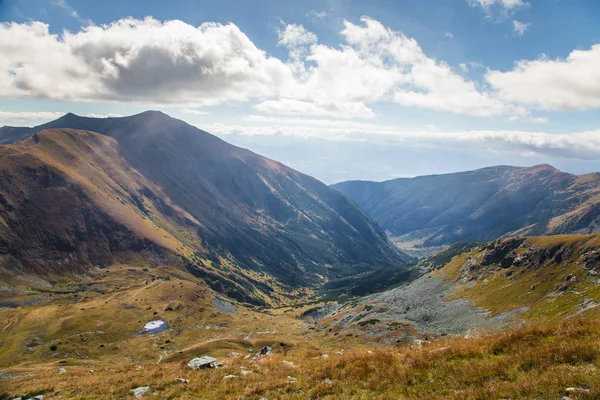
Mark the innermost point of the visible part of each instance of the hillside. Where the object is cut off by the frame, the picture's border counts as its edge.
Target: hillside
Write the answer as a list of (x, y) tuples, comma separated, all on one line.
[(484, 204), (491, 285), (80, 190), (80, 341)]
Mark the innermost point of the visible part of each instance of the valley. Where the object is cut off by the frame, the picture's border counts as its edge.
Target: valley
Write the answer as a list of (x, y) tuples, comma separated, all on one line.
[(294, 289), (529, 328)]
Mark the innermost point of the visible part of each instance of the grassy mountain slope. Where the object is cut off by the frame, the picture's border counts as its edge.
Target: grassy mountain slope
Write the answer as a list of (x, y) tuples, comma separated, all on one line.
[(90, 332), (481, 205), (244, 223)]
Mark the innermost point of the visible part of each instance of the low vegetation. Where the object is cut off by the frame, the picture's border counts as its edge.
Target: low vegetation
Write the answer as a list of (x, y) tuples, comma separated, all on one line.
[(536, 361)]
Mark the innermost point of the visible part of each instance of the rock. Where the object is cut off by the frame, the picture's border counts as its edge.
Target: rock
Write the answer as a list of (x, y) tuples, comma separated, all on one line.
[(230, 377), (202, 362), (328, 381), (139, 368), (234, 354), (183, 380), (266, 351), (288, 363), (291, 379), (576, 390), (246, 372), (325, 356), (138, 392), (154, 327), (62, 370)]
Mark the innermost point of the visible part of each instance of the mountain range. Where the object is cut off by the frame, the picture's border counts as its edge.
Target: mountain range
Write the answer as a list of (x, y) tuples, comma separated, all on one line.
[(484, 204), (80, 192)]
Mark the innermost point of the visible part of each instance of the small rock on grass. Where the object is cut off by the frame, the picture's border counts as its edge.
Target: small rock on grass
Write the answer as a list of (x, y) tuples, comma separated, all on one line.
[(230, 377), (138, 392), (288, 363), (183, 380)]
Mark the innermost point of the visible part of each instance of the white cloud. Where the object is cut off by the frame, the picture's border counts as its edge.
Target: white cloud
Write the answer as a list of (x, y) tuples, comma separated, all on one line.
[(48, 115), (318, 14), (506, 6), (379, 64), (578, 145), (63, 4), (297, 107), (191, 111), (449, 35), (137, 60), (295, 35), (520, 27), (562, 84), (31, 118), (154, 62)]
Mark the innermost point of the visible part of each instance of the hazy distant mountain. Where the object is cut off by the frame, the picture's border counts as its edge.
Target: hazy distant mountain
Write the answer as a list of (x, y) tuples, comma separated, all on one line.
[(85, 191), (483, 204)]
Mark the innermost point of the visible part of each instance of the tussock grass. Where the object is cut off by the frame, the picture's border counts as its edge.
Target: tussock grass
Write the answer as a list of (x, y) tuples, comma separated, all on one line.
[(536, 361)]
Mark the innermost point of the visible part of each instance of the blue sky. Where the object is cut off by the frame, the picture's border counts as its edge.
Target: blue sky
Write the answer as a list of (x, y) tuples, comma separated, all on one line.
[(338, 89)]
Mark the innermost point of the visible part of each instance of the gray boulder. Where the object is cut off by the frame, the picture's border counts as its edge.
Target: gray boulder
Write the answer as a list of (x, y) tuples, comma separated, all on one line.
[(202, 362)]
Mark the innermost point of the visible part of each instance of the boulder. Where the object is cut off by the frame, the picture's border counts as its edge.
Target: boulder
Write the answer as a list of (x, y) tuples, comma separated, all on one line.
[(154, 327), (202, 362)]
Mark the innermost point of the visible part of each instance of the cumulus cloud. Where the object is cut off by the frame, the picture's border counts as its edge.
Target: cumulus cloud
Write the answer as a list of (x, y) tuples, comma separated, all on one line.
[(562, 84), (136, 60), (149, 61), (520, 27), (379, 64)]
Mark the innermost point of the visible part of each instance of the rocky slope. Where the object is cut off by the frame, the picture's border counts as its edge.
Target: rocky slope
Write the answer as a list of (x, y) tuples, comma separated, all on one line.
[(481, 205), (79, 190), (490, 285)]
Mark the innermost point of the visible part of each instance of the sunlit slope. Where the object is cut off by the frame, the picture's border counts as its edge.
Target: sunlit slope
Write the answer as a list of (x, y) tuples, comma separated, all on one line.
[(553, 277)]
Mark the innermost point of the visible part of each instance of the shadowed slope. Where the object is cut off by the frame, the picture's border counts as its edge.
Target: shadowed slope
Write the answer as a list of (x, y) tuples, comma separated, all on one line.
[(481, 204)]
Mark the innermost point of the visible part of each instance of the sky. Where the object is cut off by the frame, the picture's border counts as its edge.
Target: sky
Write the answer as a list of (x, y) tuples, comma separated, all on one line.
[(338, 89)]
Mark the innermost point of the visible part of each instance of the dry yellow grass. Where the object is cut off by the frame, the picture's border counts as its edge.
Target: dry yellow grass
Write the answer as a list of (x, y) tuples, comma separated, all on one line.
[(537, 361)]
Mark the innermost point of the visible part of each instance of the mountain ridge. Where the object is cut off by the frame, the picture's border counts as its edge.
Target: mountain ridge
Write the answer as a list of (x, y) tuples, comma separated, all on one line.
[(232, 215), (482, 204)]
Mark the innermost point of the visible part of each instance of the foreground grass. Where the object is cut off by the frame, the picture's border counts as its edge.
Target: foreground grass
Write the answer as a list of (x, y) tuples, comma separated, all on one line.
[(538, 361)]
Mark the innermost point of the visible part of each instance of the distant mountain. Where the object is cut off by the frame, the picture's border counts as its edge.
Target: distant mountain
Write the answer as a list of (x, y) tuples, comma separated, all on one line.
[(82, 191), (480, 205)]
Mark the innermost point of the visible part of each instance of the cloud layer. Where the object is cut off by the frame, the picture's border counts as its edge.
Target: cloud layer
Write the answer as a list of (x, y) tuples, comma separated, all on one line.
[(153, 62), (149, 61)]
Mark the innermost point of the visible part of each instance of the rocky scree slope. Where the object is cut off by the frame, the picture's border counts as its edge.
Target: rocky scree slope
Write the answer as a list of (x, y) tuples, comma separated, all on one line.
[(490, 285)]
